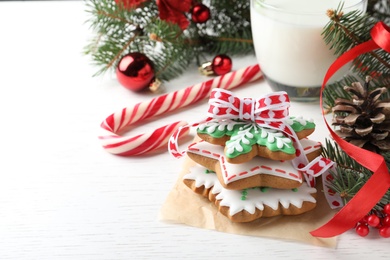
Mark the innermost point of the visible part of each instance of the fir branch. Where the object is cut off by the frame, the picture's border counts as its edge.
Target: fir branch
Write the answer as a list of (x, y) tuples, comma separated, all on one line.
[(379, 9), (229, 29), (337, 18), (236, 44), (345, 31), (334, 152), (238, 39), (349, 176), (120, 31), (120, 52), (113, 16)]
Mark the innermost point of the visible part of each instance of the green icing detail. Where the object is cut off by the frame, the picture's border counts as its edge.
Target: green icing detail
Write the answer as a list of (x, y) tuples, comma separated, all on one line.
[(244, 193), (294, 190), (207, 171), (298, 126), (286, 148), (264, 189), (241, 142)]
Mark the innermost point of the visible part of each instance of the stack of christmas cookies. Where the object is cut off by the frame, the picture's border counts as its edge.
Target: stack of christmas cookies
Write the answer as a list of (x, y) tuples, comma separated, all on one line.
[(250, 168)]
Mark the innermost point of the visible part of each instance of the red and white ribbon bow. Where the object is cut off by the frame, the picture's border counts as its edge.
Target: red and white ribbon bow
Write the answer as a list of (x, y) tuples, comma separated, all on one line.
[(269, 111), (225, 105)]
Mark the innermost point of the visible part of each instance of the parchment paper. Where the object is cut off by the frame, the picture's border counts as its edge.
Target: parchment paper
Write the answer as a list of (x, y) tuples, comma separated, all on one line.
[(186, 207)]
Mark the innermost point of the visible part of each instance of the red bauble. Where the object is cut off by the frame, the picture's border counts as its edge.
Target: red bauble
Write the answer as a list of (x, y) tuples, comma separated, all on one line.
[(200, 13), (135, 71), (362, 230), (221, 64), (373, 220)]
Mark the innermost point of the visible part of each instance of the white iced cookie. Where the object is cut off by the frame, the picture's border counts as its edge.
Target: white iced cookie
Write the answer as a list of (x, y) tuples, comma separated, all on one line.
[(250, 204)]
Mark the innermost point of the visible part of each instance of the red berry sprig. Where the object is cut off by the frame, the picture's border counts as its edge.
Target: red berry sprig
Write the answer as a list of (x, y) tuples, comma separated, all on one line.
[(377, 219)]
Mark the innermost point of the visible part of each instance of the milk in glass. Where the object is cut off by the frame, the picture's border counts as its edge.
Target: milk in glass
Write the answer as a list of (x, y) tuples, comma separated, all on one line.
[(288, 42)]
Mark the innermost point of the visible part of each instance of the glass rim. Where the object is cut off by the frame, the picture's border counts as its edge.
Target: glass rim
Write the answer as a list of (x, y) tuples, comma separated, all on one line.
[(278, 9)]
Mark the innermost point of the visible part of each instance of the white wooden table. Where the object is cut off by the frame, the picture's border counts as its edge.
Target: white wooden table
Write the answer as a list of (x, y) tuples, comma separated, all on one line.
[(62, 196)]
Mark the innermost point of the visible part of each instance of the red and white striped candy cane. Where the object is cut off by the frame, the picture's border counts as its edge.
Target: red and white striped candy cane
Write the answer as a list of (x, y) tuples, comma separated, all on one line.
[(114, 143)]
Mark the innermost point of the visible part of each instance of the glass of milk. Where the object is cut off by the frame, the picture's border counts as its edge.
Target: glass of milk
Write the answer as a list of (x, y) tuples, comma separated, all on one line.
[(289, 46)]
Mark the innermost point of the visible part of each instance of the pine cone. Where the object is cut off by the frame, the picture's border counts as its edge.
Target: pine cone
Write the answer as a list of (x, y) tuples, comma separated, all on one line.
[(365, 120)]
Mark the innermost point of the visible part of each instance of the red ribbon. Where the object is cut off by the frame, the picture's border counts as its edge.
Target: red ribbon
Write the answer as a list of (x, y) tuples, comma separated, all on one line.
[(379, 182)]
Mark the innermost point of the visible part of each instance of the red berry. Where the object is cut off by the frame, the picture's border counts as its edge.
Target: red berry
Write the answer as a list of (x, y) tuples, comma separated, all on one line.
[(362, 230), (379, 226), (373, 220), (364, 220), (386, 221), (384, 232), (386, 209)]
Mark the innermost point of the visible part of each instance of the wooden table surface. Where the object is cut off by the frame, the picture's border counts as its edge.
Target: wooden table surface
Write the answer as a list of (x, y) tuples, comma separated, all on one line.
[(64, 197)]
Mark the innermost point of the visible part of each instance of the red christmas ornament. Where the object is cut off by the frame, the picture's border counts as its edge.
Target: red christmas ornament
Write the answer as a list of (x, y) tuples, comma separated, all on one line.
[(222, 64), (135, 71), (200, 13), (362, 230)]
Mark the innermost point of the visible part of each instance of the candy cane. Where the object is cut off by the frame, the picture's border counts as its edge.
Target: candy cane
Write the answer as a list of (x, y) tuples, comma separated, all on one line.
[(143, 143)]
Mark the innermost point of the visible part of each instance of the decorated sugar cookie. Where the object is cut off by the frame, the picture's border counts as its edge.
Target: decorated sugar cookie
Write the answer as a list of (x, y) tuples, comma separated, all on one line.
[(254, 160), (244, 140), (252, 203), (257, 172)]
